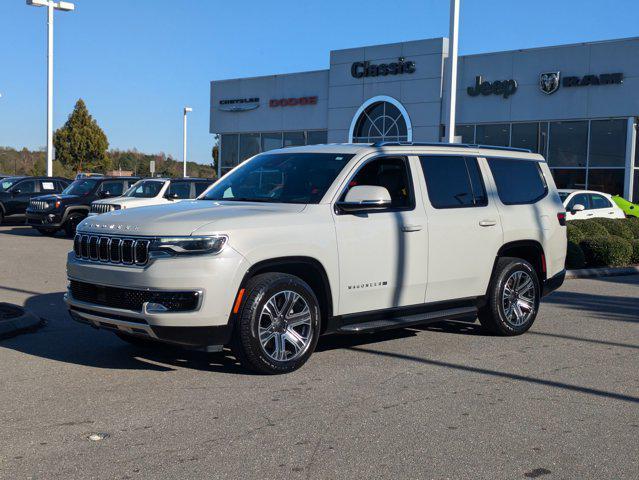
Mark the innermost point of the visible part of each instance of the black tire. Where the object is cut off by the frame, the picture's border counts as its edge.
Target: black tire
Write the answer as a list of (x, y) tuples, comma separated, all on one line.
[(246, 344), (1, 216), (497, 316), (72, 223), (47, 232), (137, 341)]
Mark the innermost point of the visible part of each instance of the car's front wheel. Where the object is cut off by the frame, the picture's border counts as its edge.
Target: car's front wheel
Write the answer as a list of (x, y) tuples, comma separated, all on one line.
[(72, 223), (278, 326), (513, 298)]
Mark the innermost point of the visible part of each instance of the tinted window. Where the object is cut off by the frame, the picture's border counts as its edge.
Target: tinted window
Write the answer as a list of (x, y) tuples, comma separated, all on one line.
[(316, 137), (453, 182), (181, 189), (599, 201), (271, 141), (390, 173), (230, 146), (249, 145), (568, 144), (518, 181), (608, 143), (27, 186), (292, 139), (200, 187), (525, 135), (608, 180), (496, 134), (115, 189), (82, 186), (145, 189), (281, 178), (573, 179), (579, 199), (466, 132)]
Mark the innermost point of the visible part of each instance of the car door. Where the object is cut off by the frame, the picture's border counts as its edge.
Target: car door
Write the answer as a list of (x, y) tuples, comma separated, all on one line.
[(382, 254), (464, 228), (579, 199), (601, 206), (21, 194)]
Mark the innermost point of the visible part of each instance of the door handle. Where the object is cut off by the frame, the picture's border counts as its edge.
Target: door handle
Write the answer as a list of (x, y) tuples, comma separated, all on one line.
[(487, 223), (411, 228)]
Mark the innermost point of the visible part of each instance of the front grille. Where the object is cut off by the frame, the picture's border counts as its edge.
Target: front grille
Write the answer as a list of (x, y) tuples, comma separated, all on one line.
[(38, 205), (100, 248), (130, 299), (101, 208)]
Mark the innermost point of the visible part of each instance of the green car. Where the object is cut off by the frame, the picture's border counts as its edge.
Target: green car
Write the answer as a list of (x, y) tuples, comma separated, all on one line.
[(629, 208)]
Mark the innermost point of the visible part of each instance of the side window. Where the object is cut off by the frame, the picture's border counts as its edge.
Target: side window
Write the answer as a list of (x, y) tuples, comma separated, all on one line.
[(599, 201), (47, 186), (391, 173), (579, 199), (454, 182), (181, 189), (200, 187), (27, 186), (519, 182), (114, 188)]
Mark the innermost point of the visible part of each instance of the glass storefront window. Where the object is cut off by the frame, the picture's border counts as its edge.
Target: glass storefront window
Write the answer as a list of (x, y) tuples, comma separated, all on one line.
[(292, 139), (543, 139), (316, 137), (608, 143), (497, 134), (249, 145), (230, 145), (466, 132), (635, 189), (607, 180), (568, 144), (271, 141), (525, 135), (570, 178)]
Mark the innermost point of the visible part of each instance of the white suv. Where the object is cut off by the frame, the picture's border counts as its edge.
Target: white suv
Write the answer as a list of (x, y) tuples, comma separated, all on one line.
[(152, 191), (305, 241)]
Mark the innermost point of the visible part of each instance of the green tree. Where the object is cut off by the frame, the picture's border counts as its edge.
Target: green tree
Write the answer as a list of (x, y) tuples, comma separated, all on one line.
[(81, 144)]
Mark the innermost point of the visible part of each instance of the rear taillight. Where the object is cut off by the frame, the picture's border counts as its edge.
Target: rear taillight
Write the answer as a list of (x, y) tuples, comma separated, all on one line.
[(561, 216)]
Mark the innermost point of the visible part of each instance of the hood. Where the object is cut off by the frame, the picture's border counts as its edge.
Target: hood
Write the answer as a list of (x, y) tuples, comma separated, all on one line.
[(184, 218), (57, 196), (122, 200)]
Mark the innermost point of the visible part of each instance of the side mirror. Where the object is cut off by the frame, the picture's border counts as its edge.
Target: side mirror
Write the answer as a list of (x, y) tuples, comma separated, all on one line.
[(578, 207), (172, 196), (104, 194), (16, 191), (365, 198)]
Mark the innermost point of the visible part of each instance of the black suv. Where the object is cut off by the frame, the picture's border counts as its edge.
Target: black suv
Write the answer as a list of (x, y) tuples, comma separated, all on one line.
[(16, 192), (50, 213)]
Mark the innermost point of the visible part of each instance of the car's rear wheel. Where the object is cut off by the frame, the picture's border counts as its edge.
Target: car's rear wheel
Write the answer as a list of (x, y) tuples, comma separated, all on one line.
[(72, 223), (513, 298), (278, 326)]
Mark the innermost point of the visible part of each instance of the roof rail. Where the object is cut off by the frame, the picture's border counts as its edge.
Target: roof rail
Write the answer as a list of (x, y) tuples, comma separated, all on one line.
[(443, 144)]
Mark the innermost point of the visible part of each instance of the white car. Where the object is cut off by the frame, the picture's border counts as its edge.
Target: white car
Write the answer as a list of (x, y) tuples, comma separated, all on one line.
[(152, 191), (584, 204), (305, 241)]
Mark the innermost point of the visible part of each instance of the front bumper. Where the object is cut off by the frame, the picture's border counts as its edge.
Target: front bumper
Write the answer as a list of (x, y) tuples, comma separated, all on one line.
[(50, 219), (216, 278), (553, 283)]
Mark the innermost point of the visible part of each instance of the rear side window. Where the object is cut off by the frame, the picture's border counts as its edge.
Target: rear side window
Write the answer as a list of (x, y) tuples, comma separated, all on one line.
[(115, 189), (519, 182), (200, 187), (181, 189), (454, 182), (599, 201)]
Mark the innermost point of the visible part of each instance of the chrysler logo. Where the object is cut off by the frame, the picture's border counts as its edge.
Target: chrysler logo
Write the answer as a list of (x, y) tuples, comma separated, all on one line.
[(239, 104), (549, 82)]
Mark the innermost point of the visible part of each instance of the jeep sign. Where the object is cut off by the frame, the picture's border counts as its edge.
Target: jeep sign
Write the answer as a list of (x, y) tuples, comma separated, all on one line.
[(504, 88)]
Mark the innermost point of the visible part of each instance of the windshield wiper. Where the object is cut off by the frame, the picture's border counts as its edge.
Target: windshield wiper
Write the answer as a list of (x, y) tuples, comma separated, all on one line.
[(245, 199)]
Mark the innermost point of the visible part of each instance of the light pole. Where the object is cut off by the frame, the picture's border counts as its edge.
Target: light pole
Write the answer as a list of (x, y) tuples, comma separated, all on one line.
[(51, 6), (186, 110), (451, 70)]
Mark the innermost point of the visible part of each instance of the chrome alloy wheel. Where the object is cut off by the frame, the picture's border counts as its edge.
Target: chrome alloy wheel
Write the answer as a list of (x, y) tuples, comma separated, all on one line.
[(285, 329), (518, 298)]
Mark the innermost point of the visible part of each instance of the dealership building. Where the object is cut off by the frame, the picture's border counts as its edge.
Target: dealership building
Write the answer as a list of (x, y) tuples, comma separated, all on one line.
[(576, 104)]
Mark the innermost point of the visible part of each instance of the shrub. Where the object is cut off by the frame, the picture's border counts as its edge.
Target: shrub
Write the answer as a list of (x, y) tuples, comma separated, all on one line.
[(616, 226), (575, 257), (574, 233), (610, 251), (635, 251), (590, 228), (633, 225)]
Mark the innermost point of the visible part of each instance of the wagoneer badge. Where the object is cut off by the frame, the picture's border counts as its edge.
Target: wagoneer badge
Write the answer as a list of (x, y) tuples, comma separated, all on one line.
[(114, 226)]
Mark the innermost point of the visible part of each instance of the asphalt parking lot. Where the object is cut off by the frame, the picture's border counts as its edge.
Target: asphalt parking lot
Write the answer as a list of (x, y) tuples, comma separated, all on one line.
[(443, 401)]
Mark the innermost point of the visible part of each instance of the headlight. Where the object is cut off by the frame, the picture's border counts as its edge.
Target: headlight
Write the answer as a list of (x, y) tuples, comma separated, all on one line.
[(188, 245)]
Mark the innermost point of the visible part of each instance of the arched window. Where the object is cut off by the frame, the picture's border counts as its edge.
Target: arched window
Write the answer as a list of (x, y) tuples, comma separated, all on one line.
[(381, 121)]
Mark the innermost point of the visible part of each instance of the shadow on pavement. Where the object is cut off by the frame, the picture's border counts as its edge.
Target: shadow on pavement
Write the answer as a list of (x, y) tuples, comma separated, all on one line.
[(24, 231), (605, 307)]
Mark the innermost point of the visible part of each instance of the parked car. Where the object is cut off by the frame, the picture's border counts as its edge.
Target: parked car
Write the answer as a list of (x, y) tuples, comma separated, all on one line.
[(16, 192), (50, 213), (153, 191), (583, 204), (629, 208), (335, 239)]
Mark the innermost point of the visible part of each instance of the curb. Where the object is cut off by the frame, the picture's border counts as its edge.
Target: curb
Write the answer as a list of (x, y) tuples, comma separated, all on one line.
[(24, 323), (601, 272)]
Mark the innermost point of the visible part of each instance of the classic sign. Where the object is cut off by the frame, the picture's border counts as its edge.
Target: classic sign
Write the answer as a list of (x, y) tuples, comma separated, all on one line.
[(504, 88), (366, 69)]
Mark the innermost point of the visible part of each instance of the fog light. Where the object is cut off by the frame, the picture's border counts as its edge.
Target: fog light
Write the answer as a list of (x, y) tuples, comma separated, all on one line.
[(152, 307)]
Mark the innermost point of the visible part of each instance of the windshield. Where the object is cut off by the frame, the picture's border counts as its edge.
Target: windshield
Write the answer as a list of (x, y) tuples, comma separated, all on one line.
[(80, 187), (280, 178), (563, 195), (144, 189), (6, 183)]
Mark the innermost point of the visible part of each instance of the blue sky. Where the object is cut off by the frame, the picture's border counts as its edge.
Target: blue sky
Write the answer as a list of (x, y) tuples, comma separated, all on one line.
[(136, 63)]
